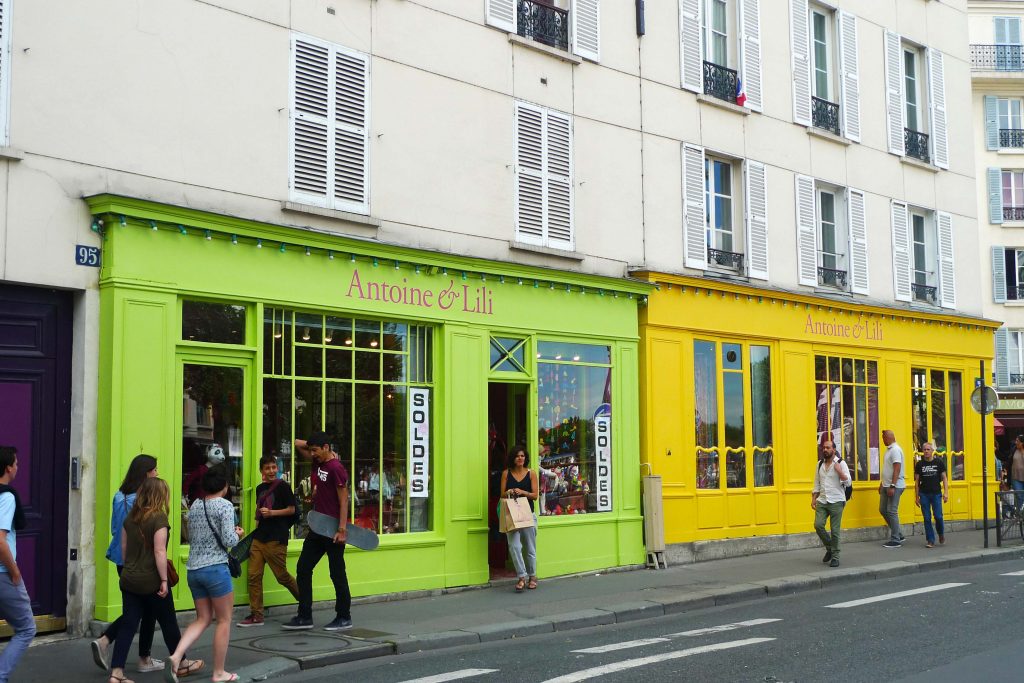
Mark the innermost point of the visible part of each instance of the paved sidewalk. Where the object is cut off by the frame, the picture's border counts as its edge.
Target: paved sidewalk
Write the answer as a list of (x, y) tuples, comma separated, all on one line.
[(496, 612)]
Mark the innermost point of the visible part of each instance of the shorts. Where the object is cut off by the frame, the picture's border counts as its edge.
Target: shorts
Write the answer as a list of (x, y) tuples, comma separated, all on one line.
[(210, 582)]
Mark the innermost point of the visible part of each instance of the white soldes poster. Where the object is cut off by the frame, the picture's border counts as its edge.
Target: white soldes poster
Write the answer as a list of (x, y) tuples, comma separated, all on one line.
[(419, 442), (603, 478)]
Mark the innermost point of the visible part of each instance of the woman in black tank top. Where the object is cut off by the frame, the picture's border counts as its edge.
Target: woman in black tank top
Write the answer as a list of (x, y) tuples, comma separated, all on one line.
[(518, 481)]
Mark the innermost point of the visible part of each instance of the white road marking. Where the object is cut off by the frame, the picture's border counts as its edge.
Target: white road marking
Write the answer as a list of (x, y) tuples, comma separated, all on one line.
[(621, 646), (452, 676), (627, 664), (893, 596), (1013, 574), (718, 629)]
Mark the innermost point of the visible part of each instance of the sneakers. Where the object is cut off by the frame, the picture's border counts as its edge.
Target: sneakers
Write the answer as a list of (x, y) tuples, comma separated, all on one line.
[(101, 654), (153, 665), (942, 539), (339, 624), (834, 562), (828, 556), (298, 624), (929, 544), (892, 544), (251, 620)]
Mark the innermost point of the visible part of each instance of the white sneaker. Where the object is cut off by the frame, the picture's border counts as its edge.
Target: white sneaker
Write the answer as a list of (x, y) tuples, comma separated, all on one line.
[(154, 665)]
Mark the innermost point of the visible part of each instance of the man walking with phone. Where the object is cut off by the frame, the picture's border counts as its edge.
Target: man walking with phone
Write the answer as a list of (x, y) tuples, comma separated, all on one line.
[(15, 606)]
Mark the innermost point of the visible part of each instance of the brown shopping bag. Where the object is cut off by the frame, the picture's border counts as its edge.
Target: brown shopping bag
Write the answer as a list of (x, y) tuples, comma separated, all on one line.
[(515, 514)]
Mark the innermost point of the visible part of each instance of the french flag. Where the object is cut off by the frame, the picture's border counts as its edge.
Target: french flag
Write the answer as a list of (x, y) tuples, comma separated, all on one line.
[(741, 94)]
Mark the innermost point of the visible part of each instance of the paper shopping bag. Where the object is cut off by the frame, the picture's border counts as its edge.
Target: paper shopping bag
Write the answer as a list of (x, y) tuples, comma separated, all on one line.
[(515, 514)]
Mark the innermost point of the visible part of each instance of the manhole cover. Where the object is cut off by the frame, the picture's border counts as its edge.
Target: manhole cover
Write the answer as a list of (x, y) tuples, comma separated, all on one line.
[(300, 644)]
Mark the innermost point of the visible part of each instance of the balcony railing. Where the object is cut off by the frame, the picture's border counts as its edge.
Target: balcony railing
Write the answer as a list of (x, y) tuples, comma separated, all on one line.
[(720, 82), (1016, 378), (825, 114), (1011, 137), (726, 259), (1013, 213), (923, 293), (543, 23), (916, 144), (832, 277), (997, 57)]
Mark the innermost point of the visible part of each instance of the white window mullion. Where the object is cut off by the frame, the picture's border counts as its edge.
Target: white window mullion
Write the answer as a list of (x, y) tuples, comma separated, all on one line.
[(5, 71)]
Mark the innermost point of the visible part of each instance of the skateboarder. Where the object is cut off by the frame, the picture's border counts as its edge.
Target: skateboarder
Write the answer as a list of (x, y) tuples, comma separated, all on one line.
[(330, 497)]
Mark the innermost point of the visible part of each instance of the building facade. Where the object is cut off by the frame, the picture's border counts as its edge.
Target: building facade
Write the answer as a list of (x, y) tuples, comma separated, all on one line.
[(304, 214), (997, 79)]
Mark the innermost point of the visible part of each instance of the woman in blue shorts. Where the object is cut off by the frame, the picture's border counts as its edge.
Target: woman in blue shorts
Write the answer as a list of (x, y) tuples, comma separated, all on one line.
[(210, 519)]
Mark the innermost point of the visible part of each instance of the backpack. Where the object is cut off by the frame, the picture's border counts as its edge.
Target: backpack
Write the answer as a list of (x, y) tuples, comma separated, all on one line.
[(848, 490)]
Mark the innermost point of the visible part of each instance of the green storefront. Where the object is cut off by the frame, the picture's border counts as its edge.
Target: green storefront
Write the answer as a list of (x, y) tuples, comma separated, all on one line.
[(424, 367)]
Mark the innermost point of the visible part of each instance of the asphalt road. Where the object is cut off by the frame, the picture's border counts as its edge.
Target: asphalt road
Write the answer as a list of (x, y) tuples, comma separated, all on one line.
[(969, 626)]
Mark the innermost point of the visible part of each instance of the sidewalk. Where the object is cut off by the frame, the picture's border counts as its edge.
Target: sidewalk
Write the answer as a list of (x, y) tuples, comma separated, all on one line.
[(470, 616)]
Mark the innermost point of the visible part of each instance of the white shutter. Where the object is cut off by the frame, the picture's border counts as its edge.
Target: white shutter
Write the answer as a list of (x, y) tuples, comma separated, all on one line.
[(849, 74), (937, 107), (586, 29), (691, 65), (695, 238), (999, 275), (558, 160), (857, 221), (806, 232), (501, 14), (991, 122), (900, 252), (351, 134), (750, 52), (312, 122), (800, 44), (995, 195), (757, 220), (1002, 368), (947, 275), (529, 173), (894, 91), (5, 71)]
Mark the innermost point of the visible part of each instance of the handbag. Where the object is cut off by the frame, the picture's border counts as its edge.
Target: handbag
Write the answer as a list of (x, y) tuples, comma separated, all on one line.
[(234, 566), (515, 514)]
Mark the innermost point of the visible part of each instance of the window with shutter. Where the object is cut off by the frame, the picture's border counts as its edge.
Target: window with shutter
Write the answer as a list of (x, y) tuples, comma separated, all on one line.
[(1012, 196), (1008, 35), (1002, 369), (720, 50), (995, 195), (544, 211), (937, 108), (1003, 127), (695, 243), (999, 283), (857, 224), (849, 72), (561, 24), (691, 45), (894, 91), (330, 125), (5, 71), (947, 273), (901, 264), (799, 32), (806, 239), (586, 29), (749, 91), (721, 200), (757, 219), (501, 14)]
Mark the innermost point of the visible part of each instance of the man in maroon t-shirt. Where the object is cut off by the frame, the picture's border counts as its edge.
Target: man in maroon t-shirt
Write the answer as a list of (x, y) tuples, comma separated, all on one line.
[(330, 497)]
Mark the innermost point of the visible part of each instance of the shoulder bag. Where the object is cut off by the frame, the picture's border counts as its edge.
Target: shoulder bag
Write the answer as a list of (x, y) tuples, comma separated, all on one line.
[(234, 566)]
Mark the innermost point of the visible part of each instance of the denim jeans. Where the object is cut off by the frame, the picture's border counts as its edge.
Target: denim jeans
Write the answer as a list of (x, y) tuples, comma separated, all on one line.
[(1018, 497), (932, 502), (889, 508), (522, 546), (16, 609), (834, 512)]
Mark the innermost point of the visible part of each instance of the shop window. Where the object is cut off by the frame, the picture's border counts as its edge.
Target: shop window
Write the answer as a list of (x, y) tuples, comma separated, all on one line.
[(574, 416), (358, 380), (743, 435), (204, 321), (847, 411), (937, 405), (508, 354)]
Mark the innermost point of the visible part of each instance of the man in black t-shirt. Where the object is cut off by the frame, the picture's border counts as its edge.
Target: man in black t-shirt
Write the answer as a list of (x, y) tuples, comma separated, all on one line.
[(932, 492), (275, 510)]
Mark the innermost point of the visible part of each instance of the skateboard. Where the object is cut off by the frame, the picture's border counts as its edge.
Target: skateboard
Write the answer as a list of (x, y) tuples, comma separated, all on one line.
[(325, 525)]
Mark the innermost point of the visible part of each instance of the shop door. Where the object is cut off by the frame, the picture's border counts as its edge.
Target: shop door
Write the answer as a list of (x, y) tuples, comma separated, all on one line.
[(35, 418), (214, 431), (506, 428)]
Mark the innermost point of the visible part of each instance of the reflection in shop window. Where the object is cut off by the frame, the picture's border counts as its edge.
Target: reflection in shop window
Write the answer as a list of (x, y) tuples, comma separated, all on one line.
[(205, 321), (847, 411), (705, 386), (761, 415), (937, 408), (351, 378), (575, 428)]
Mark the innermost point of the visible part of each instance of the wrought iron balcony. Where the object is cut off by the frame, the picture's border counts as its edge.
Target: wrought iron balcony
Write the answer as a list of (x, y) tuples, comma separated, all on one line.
[(1016, 379), (1013, 213), (543, 23), (924, 293), (997, 58), (916, 144), (1015, 292), (720, 82), (825, 114), (832, 277), (726, 259), (1011, 137)]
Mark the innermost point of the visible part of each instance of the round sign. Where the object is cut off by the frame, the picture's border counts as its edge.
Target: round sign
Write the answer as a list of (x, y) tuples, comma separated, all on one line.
[(991, 400)]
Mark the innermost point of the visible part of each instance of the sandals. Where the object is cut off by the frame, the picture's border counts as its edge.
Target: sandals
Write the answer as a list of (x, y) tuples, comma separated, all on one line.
[(233, 677), (187, 667), (520, 585), (533, 583), (119, 679)]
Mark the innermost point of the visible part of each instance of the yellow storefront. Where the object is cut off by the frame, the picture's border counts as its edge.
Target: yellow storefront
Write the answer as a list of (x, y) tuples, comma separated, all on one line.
[(739, 385)]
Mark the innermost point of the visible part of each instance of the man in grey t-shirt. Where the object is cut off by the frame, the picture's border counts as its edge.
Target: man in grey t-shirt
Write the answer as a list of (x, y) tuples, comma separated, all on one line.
[(891, 488)]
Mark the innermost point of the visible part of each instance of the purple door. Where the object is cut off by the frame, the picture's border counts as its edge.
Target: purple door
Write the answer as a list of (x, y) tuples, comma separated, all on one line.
[(35, 393)]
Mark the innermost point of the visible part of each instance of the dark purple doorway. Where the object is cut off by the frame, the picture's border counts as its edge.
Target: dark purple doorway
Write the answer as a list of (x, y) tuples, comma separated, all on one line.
[(35, 417)]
